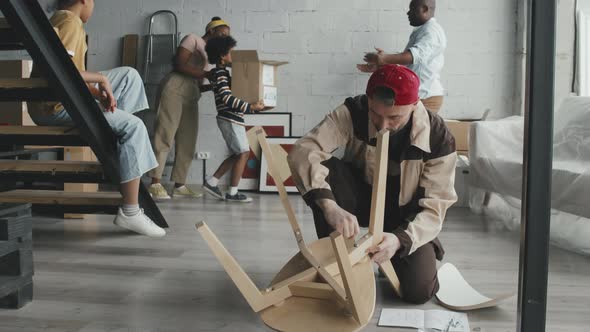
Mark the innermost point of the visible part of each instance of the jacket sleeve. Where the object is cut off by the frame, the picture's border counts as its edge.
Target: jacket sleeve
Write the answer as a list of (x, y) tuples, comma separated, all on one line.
[(235, 104), (437, 182), (306, 158)]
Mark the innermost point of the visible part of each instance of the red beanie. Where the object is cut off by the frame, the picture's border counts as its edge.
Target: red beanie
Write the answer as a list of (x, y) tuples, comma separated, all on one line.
[(404, 83)]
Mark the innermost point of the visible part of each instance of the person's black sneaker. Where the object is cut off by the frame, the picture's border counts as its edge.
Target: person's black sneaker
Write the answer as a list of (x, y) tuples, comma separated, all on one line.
[(240, 198), (213, 191)]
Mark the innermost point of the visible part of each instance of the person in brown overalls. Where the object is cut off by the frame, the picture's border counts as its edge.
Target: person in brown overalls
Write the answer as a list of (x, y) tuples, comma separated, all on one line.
[(420, 180)]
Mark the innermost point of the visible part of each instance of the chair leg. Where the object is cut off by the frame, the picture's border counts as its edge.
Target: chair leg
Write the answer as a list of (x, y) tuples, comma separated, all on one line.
[(350, 285)]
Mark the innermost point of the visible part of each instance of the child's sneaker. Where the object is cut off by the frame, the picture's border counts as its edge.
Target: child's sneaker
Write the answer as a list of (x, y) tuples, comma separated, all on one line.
[(213, 191), (239, 198), (158, 191), (185, 191)]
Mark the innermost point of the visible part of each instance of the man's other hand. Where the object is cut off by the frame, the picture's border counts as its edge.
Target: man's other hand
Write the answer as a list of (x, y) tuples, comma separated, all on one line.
[(383, 252)]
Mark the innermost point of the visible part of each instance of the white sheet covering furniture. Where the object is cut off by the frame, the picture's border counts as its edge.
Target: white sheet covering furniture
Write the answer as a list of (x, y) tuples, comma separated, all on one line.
[(496, 157)]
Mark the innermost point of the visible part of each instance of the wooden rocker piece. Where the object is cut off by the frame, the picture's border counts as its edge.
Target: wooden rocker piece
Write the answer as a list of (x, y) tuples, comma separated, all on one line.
[(330, 284)]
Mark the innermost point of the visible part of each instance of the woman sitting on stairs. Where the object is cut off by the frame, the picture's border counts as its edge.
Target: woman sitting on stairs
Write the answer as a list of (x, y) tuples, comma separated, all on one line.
[(121, 93)]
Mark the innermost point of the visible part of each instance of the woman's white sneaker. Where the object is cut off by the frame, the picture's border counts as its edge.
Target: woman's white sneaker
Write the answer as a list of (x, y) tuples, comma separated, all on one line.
[(139, 223)]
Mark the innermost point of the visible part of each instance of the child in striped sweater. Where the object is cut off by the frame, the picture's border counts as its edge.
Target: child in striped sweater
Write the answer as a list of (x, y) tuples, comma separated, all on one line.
[(230, 120)]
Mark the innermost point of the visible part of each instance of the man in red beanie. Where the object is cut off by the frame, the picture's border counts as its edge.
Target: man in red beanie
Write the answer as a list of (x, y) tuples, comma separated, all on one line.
[(420, 179)]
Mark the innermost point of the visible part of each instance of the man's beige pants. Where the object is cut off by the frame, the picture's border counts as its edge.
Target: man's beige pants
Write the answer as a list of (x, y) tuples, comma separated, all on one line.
[(433, 103), (177, 121)]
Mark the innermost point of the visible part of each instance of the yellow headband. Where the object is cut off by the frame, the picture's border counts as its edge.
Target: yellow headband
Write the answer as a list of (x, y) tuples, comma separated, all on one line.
[(215, 24)]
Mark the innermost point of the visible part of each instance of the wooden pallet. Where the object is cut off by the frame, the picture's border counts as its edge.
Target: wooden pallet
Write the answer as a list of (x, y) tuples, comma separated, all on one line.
[(16, 262)]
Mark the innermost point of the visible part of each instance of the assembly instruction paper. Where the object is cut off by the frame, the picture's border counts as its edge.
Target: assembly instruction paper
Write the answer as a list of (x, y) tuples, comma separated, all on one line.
[(440, 320)]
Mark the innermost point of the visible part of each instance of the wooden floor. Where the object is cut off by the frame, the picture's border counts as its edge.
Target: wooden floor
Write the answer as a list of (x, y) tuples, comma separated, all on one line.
[(92, 276)]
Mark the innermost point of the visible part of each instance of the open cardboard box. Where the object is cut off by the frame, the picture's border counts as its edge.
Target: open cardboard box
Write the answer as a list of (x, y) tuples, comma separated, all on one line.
[(254, 79), (460, 130)]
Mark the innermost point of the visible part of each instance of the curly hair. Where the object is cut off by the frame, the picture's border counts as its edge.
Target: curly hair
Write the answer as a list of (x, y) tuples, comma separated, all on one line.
[(218, 47)]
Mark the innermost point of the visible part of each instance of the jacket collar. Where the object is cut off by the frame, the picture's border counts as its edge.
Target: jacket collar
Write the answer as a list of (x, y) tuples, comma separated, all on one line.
[(420, 133)]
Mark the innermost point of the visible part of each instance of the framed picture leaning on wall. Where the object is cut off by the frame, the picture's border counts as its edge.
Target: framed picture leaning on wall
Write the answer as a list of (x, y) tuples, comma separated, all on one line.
[(280, 147), (275, 124)]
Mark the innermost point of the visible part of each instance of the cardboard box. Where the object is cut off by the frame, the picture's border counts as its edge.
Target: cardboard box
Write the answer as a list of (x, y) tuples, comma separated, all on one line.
[(254, 79), (460, 130), (15, 112)]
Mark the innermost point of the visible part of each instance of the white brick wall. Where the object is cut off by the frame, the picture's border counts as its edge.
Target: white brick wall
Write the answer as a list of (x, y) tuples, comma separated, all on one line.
[(324, 39), (332, 85), (367, 41), (293, 5), (381, 4), (330, 42), (308, 21), (284, 43), (277, 21), (354, 20)]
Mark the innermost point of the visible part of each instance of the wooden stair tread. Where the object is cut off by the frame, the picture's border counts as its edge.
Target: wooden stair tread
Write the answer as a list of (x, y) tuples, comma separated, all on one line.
[(9, 41), (28, 151), (14, 83), (41, 135), (39, 130), (4, 24), (61, 197), (26, 89), (51, 166)]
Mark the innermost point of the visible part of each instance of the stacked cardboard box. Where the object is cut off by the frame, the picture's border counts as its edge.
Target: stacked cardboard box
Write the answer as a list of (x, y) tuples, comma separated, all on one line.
[(254, 79), (460, 130)]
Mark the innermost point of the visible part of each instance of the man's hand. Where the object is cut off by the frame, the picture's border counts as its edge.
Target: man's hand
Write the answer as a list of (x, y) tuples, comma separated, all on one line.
[(258, 106), (375, 58), (367, 67), (106, 95), (386, 249), (341, 220)]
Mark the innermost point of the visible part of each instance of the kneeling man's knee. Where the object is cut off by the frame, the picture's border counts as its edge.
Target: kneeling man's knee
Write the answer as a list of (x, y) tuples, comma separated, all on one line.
[(420, 292)]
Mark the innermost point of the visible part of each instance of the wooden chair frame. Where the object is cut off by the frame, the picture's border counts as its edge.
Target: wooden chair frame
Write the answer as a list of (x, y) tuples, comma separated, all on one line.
[(347, 254)]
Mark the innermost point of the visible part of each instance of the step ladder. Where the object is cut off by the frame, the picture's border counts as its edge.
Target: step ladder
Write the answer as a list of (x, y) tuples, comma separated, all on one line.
[(159, 52)]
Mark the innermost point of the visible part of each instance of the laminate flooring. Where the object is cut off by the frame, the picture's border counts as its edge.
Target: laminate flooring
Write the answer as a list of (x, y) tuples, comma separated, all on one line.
[(93, 276)]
